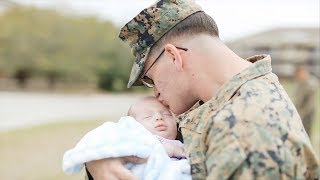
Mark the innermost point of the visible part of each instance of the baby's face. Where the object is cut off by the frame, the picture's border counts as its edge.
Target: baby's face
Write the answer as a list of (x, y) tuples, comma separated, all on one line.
[(155, 117)]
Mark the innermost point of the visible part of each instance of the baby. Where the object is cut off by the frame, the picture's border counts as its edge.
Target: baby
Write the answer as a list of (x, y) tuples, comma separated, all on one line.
[(149, 131), (157, 119)]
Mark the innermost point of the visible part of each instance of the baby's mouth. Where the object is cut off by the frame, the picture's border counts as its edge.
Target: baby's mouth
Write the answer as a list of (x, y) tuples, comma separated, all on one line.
[(161, 127)]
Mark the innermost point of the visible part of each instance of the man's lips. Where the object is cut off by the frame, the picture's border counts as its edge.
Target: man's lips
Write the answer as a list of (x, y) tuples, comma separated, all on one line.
[(164, 103)]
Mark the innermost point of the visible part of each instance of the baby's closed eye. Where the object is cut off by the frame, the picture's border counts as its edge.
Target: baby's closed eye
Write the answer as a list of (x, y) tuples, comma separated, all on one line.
[(147, 117)]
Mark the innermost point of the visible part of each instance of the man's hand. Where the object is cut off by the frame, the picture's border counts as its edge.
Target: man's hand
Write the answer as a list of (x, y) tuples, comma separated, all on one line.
[(174, 151), (112, 168)]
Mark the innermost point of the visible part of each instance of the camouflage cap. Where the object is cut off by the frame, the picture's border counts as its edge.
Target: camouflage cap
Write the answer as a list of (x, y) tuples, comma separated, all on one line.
[(144, 30)]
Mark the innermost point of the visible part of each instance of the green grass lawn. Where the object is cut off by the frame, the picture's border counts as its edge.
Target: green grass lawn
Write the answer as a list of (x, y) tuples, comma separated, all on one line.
[(36, 153), (315, 138)]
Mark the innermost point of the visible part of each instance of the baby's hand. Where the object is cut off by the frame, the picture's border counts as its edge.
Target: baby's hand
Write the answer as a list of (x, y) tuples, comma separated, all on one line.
[(174, 151)]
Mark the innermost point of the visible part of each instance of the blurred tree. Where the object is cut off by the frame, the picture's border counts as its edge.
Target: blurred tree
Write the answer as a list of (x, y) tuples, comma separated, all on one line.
[(45, 44), (22, 76)]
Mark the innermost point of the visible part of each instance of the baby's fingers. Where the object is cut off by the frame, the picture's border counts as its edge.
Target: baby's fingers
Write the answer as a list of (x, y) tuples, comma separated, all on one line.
[(179, 152)]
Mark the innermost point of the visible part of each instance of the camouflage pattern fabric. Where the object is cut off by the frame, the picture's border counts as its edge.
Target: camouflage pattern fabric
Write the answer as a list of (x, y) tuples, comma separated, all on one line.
[(249, 130), (149, 26)]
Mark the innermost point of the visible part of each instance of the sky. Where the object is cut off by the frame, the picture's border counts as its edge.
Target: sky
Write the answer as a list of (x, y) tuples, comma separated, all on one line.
[(235, 18)]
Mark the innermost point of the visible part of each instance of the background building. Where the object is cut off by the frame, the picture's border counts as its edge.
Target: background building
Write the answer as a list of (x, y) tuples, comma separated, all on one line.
[(288, 47)]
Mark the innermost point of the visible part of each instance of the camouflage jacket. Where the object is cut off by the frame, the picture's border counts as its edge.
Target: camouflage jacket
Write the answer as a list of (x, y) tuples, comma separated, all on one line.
[(249, 130)]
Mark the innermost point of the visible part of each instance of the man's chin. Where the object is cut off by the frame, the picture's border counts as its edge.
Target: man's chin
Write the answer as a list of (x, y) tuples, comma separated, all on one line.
[(180, 110), (177, 112)]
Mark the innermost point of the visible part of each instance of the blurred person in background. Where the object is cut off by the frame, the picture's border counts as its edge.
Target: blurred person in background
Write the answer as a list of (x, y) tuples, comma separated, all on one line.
[(305, 97)]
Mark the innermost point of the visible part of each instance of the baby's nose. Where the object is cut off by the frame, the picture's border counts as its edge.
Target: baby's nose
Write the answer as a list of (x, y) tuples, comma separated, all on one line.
[(158, 117)]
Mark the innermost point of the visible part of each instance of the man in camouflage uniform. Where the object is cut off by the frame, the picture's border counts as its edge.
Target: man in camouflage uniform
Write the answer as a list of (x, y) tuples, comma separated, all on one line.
[(305, 96), (246, 127)]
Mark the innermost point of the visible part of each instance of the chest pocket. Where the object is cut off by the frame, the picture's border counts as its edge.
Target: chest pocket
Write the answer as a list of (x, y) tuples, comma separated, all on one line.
[(191, 129)]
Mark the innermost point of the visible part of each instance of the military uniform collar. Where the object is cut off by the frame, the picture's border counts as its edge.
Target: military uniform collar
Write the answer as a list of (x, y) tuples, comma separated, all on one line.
[(261, 65)]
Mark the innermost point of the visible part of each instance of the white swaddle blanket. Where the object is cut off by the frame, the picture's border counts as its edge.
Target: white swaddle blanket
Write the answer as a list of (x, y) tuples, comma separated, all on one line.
[(126, 138)]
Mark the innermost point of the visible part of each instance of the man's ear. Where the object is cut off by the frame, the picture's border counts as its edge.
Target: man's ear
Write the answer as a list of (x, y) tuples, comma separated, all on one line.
[(175, 56)]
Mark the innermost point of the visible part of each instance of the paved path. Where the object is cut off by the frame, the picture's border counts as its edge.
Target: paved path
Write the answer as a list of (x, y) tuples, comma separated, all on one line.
[(19, 110)]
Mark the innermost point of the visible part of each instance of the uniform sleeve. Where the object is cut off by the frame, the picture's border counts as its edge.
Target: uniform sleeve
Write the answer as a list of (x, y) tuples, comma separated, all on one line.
[(224, 154)]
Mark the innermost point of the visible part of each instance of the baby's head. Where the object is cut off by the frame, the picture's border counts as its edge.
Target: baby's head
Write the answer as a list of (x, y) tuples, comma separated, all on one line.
[(155, 117)]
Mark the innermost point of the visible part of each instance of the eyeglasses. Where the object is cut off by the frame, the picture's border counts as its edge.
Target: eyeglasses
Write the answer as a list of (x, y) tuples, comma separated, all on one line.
[(148, 81)]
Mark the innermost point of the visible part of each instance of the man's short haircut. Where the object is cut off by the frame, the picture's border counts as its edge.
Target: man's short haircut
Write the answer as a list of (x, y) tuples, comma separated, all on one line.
[(197, 23)]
